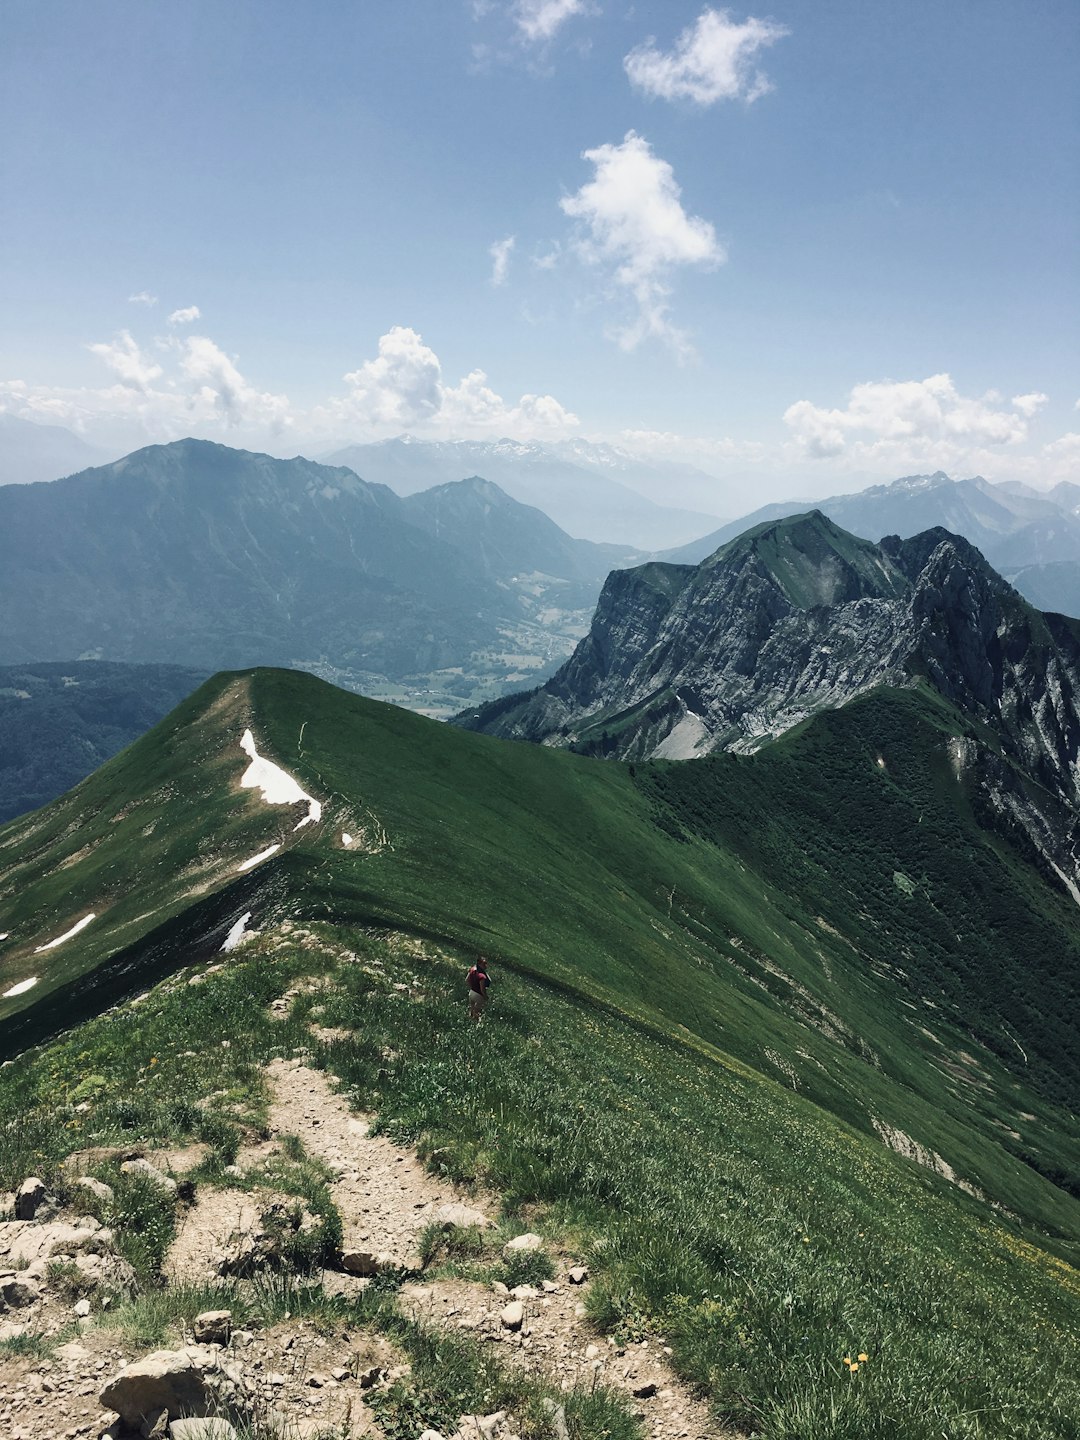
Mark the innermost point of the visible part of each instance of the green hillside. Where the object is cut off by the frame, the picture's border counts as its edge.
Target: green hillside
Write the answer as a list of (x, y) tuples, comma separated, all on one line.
[(719, 984)]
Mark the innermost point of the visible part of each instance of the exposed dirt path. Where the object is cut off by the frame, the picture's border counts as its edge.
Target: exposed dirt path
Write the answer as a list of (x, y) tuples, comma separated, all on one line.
[(386, 1198), (557, 1342), (383, 1194)]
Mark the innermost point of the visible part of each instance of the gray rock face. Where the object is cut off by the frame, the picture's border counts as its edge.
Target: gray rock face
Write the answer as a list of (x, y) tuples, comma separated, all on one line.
[(794, 617)]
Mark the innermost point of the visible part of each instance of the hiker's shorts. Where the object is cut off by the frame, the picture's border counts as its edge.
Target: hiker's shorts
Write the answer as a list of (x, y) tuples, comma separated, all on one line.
[(477, 1005)]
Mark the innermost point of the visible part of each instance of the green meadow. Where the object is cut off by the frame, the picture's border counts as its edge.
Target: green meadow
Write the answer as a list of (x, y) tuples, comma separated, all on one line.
[(718, 984)]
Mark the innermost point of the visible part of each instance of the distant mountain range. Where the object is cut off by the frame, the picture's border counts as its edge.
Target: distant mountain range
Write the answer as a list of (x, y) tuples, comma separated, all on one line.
[(30, 452), (588, 490), (200, 555), (1031, 536)]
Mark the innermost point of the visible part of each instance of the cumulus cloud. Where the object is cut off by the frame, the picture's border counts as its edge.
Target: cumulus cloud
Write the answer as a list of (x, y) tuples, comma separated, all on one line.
[(1029, 405), (633, 223), (143, 298), (539, 20), (123, 356), (909, 423), (402, 388), (217, 384), (712, 60), (185, 317), (500, 254)]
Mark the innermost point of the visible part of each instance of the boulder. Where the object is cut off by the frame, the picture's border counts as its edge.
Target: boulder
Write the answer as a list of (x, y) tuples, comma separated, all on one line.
[(525, 1242), (512, 1316), (577, 1274), (97, 1188), (149, 1172), (213, 1327), (461, 1216), (19, 1289), (29, 1197), (172, 1380), (367, 1262), (24, 1241)]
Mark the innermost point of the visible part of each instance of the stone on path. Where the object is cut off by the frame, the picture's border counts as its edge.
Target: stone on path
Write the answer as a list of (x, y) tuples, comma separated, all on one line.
[(97, 1188), (512, 1316), (170, 1380), (29, 1197), (149, 1172), (213, 1327), (463, 1216), (525, 1242), (577, 1274)]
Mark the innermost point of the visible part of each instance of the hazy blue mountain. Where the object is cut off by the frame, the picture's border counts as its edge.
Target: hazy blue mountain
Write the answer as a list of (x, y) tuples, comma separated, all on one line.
[(585, 500), (59, 722), (30, 452), (1013, 525), (197, 554)]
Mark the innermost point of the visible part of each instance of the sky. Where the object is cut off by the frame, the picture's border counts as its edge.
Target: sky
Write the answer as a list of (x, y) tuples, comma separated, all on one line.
[(803, 246)]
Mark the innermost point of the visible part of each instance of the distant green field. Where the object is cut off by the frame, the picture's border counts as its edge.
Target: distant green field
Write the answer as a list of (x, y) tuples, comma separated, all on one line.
[(719, 982)]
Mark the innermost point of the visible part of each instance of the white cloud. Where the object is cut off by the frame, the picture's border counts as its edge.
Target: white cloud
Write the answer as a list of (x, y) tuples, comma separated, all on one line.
[(901, 426), (712, 60), (219, 385), (204, 392), (500, 253), (1030, 405), (123, 356), (142, 298), (539, 20), (185, 317), (403, 389), (632, 221)]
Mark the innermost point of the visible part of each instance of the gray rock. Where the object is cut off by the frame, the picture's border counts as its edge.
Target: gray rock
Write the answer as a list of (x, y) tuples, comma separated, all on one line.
[(525, 1242), (462, 1216), (29, 1198), (149, 1172), (172, 1380), (81, 1309), (367, 1262), (512, 1316), (578, 1274), (97, 1188), (19, 1289), (213, 1327), (557, 1415)]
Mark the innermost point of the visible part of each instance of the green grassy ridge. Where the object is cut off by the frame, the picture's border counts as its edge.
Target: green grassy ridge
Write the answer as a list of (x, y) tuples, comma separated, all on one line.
[(555, 866), (694, 1183)]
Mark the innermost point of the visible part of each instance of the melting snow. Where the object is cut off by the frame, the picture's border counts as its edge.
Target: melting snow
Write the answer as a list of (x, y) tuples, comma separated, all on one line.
[(258, 859), (66, 935), (238, 934), (5, 935), (346, 840), (277, 787), (19, 989)]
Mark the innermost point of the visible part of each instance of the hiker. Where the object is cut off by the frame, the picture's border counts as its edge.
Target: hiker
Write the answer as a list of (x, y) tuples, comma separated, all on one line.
[(478, 981)]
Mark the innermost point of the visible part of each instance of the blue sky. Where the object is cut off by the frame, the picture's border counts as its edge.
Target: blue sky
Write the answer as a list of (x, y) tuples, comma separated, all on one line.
[(803, 245)]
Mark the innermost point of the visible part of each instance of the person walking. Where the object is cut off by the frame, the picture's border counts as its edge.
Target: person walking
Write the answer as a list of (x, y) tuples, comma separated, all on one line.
[(478, 981)]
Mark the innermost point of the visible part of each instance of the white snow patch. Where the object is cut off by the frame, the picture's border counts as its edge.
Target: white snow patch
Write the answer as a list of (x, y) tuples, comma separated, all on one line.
[(66, 935), (5, 935), (19, 989), (238, 934), (258, 859), (346, 840), (278, 788)]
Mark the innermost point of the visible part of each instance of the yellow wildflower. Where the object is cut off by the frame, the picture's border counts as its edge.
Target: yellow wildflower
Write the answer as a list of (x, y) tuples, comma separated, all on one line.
[(863, 1355)]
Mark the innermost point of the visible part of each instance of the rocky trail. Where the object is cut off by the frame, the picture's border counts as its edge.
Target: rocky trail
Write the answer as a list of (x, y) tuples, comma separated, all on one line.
[(296, 1379)]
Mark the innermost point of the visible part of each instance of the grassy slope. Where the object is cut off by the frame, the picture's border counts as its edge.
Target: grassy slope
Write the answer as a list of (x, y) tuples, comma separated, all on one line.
[(639, 979)]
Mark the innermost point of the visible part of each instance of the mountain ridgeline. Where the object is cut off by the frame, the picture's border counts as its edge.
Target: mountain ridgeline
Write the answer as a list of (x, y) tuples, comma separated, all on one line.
[(196, 554)]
